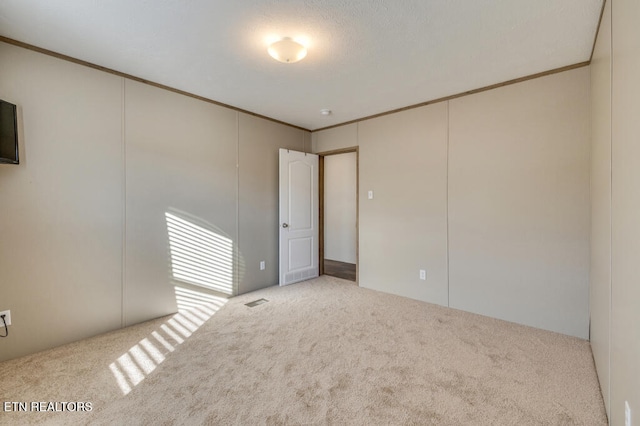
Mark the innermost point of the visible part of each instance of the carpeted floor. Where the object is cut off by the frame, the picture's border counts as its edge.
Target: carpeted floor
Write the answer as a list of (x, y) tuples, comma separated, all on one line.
[(319, 352)]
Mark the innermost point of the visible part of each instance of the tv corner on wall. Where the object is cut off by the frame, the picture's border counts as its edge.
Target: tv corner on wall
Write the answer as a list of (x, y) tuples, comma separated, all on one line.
[(8, 133)]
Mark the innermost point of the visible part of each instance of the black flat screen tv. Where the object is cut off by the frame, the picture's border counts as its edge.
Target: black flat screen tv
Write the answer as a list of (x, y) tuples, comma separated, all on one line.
[(8, 134)]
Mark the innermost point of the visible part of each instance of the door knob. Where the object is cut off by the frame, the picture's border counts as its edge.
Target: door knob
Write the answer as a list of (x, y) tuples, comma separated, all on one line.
[(285, 225)]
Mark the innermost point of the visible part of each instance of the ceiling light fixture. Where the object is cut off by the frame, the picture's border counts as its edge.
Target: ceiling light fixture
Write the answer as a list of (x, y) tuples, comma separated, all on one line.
[(325, 112), (287, 50)]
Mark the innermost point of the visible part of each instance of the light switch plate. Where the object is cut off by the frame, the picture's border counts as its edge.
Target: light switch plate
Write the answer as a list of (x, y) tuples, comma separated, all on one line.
[(370, 195)]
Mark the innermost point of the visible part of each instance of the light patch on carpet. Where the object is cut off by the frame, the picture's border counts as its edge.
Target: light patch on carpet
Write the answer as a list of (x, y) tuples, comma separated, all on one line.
[(194, 309)]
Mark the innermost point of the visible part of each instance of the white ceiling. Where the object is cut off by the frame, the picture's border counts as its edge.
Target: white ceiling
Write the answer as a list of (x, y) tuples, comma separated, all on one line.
[(365, 56)]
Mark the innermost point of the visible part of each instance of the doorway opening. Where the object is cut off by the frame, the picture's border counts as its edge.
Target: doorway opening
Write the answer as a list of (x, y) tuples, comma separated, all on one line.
[(338, 216)]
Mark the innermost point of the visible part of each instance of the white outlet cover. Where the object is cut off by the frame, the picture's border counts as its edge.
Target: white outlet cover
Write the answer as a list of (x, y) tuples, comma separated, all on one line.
[(262, 265), (7, 318), (423, 274)]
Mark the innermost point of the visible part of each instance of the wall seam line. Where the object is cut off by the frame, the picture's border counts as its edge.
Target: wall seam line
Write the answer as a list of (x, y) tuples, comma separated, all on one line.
[(123, 141), (358, 258), (611, 66), (447, 212), (237, 251)]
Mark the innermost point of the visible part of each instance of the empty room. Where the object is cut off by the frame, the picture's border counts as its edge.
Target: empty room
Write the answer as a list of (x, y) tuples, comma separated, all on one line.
[(320, 212)]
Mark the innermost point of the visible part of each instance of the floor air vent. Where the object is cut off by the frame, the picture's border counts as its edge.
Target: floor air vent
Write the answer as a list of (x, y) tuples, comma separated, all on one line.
[(256, 303)]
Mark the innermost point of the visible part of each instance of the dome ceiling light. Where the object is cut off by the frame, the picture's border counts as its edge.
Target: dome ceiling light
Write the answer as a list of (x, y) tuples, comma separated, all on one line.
[(287, 50)]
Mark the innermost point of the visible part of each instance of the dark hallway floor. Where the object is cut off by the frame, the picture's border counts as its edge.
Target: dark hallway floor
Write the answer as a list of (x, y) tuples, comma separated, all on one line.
[(342, 270)]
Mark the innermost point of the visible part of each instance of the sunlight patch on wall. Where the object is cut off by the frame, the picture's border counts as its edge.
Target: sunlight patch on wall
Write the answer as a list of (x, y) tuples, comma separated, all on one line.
[(194, 309), (200, 256)]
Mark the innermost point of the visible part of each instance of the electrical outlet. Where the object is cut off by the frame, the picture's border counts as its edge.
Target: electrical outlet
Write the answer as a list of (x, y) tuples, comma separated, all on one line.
[(423, 274), (262, 265), (7, 318), (627, 414)]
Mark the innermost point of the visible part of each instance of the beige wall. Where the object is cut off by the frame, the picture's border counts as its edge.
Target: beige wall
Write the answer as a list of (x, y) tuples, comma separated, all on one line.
[(615, 294), (86, 244), (519, 202), (340, 181), (62, 206), (181, 156), (403, 229), (258, 210), (600, 273), (625, 211), (489, 193), (336, 138)]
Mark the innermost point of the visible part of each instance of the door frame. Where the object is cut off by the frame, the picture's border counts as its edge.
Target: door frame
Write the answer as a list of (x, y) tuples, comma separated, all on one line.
[(321, 156)]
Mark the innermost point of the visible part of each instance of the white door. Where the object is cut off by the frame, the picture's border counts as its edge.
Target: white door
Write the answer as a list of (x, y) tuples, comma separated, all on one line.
[(298, 216)]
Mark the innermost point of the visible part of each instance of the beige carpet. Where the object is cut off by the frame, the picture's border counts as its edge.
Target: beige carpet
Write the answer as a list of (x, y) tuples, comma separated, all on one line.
[(320, 352)]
